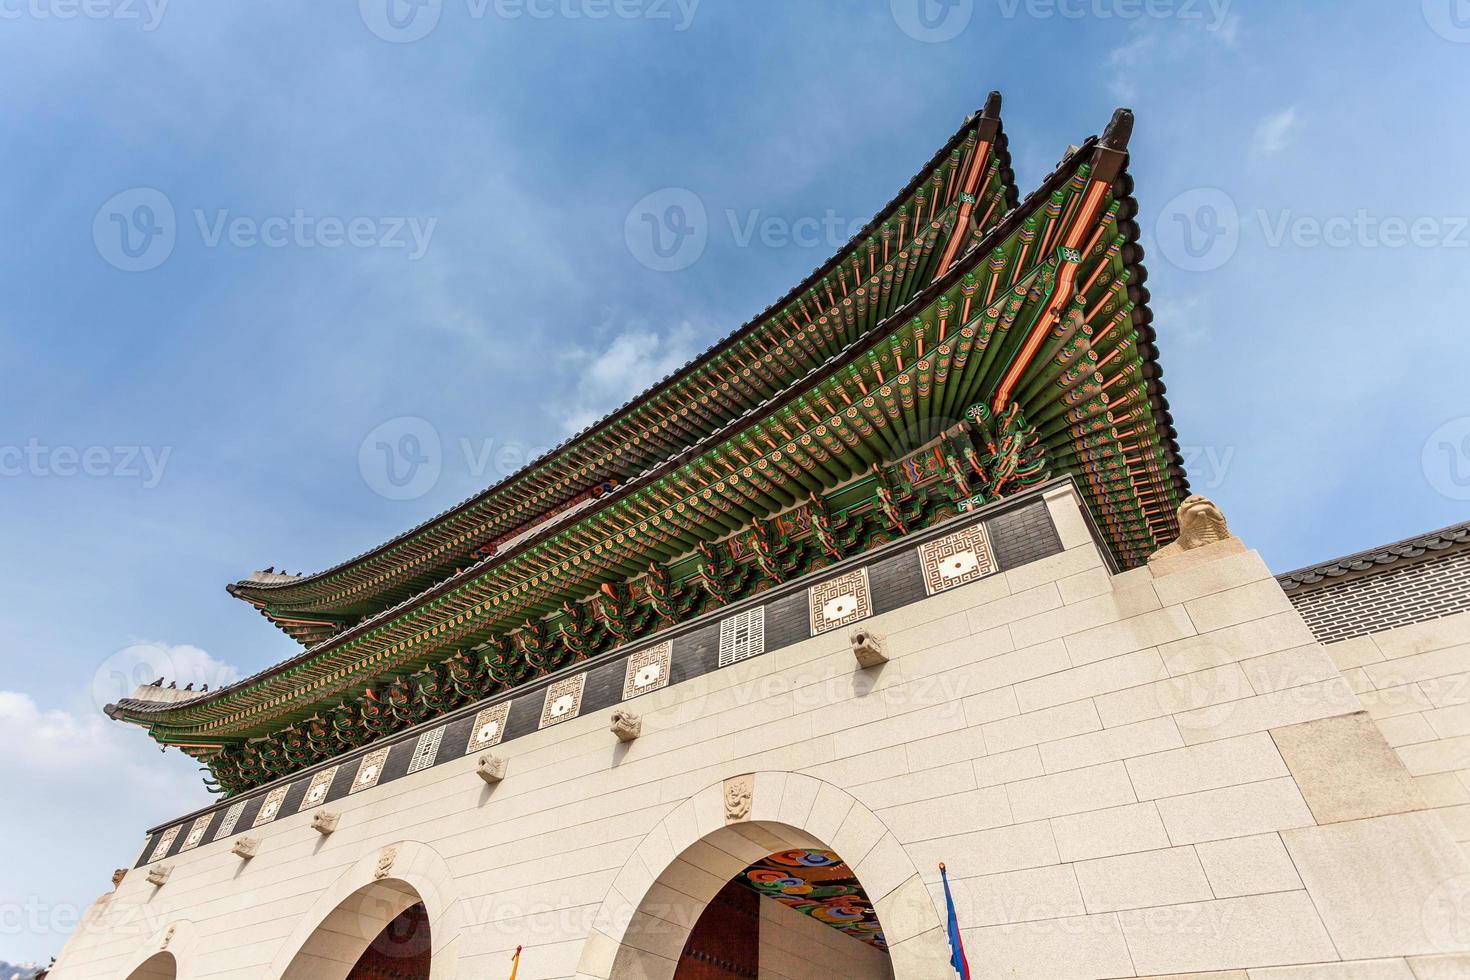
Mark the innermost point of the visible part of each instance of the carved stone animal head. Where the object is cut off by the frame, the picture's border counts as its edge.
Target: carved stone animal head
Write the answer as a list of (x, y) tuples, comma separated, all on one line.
[(1200, 523)]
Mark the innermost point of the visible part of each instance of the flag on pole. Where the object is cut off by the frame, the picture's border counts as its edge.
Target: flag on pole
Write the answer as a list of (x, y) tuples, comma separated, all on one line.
[(956, 944), (515, 963)]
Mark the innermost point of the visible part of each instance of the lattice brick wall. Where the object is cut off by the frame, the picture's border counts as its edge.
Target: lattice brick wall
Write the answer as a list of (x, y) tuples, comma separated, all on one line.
[(1413, 594)]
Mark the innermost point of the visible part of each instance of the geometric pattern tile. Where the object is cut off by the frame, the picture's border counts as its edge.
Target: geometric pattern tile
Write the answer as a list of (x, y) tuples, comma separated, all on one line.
[(961, 556), (196, 833), (426, 749), (956, 559), (648, 670), (232, 817), (164, 843), (320, 784), (742, 635), (839, 601), (368, 771), (489, 727), (563, 700), (271, 806)]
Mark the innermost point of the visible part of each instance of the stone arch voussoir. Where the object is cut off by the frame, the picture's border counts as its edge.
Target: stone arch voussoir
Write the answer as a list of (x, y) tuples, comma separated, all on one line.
[(173, 940)]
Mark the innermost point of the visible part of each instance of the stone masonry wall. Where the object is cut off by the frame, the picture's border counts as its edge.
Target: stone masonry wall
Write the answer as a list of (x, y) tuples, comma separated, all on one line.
[(1415, 682), (1133, 775)]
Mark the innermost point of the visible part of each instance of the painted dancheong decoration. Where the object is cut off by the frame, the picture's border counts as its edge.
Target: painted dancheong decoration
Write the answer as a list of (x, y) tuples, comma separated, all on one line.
[(818, 884), (966, 346)]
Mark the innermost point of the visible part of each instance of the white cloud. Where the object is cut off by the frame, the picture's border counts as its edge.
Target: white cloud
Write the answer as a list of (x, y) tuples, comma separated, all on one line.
[(1156, 44), (82, 791), (144, 662), (1274, 132), (634, 360), (1126, 62)]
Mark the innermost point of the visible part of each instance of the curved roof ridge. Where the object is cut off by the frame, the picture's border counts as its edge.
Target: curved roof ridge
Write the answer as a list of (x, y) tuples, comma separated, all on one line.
[(1062, 171), (989, 111)]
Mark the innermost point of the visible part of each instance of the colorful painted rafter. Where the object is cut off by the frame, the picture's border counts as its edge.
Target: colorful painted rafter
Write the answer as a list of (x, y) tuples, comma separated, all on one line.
[(1020, 349)]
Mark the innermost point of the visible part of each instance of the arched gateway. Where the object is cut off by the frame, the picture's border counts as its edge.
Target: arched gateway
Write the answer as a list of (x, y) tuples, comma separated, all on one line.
[(921, 528), (159, 966), (734, 837), (393, 914)]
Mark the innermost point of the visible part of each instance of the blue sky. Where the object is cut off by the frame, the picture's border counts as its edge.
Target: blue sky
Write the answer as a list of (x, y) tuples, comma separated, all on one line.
[(371, 227)]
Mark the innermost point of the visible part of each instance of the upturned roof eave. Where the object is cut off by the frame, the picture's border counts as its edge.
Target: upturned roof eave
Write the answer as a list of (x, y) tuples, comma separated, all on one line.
[(269, 593), (918, 301), (148, 714)]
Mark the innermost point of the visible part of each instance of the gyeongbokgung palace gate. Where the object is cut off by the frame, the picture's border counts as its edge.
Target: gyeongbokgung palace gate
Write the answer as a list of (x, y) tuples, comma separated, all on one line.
[(904, 573)]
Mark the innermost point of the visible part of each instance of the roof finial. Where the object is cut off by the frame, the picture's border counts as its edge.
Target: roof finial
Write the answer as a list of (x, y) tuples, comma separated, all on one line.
[(992, 106), (1120, 128)]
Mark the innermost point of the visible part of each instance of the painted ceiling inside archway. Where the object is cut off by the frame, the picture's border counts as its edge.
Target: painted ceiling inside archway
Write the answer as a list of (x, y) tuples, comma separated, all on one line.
[(821, 885)]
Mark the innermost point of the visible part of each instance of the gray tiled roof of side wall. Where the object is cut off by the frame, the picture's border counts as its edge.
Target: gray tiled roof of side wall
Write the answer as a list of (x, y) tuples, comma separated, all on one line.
[(1411, 581)]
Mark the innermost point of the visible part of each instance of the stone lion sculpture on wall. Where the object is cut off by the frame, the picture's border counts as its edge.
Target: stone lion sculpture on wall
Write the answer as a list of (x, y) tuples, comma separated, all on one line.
[(1200, 523)]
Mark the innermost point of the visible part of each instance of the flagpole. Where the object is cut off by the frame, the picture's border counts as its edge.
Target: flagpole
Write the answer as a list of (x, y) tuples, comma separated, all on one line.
[(956, 943), (515, 963)]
